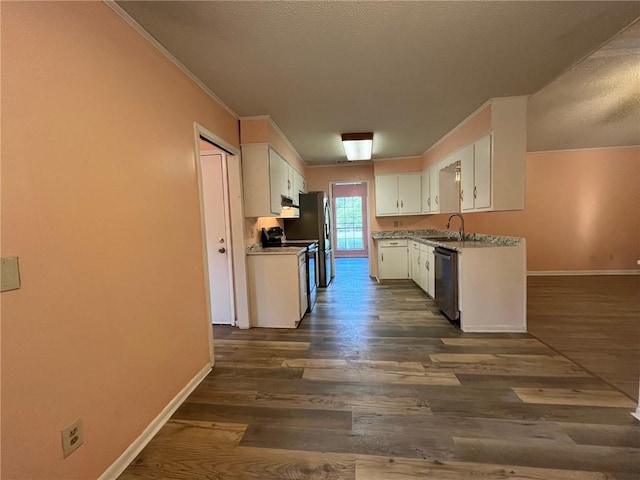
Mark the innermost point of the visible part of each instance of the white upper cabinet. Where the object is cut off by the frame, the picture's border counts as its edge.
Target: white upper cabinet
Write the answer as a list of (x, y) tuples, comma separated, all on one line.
[(278, 179), (434, 197), (475, 191), (299, 186), (467, 175), (409, 193), (266, 176), (426, 198), (482, 172), (492, 167), (387, 195), (398, 194)]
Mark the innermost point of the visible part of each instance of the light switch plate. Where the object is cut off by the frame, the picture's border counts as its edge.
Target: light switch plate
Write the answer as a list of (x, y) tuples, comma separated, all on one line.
[(9, 274)]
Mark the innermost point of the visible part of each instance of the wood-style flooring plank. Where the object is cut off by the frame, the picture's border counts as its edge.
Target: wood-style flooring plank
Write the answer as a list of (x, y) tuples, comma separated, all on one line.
[(542, 453), (573, 396), (484, 363), (381, 468), (357, 375)]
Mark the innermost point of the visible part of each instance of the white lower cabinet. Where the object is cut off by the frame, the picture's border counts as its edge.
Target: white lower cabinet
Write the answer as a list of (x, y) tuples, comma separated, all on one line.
[(302, 282), (272, 303), (414, 262), (393, 259)]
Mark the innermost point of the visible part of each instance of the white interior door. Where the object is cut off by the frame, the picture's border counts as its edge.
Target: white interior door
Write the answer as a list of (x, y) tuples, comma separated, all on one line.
[(216, 219)]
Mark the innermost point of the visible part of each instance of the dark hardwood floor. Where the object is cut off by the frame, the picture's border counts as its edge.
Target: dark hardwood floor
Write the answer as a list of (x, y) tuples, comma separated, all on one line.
[(594, 321), (375, 384)]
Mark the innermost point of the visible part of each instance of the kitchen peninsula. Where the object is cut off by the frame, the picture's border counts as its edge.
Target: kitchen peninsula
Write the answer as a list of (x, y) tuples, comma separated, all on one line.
[(491, 273)]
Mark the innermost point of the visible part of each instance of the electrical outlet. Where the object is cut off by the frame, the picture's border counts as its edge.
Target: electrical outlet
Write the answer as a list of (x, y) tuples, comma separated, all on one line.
[(72, 437)]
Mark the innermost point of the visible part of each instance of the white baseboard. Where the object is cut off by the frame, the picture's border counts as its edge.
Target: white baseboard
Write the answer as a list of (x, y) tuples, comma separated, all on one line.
[(553, 273), (145, 437), (496, 329), (637, 412)]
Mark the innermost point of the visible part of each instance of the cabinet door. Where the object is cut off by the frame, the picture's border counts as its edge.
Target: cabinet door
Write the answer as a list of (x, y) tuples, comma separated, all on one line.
[(467, 178), (415, 262), (482, 172), (278, 176), (426, 199), (431, 274), (298, 186), (409, 193), (434, 173), (393, 262), (302, 281), (387, 195)]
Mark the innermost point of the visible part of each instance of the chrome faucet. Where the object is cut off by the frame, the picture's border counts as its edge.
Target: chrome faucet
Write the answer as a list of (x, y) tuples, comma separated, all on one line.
[(461, 224)]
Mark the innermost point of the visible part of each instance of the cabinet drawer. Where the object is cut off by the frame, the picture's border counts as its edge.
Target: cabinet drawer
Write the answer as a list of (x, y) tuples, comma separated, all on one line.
[(426, 248), (399, 242)]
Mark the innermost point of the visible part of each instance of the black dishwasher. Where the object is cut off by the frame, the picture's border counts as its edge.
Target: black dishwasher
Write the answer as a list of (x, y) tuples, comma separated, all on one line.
[(446, 295)]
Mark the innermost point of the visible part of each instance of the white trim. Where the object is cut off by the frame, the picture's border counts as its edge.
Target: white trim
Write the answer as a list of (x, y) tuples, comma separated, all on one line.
[(616, 147), (140, 29), (357, 163), (554, 273), (123, 461), (236, 219), (277, 129), (459, 126), (497, 329), (408, 157), (636, 414)]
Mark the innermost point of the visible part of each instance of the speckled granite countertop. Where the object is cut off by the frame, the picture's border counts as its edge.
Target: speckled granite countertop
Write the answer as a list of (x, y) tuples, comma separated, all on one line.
[(257, 249), (436, 238)]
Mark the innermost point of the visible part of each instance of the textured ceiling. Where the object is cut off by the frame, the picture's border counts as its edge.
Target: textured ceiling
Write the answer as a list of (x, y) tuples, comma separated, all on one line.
[(408, 71), (595, 104)]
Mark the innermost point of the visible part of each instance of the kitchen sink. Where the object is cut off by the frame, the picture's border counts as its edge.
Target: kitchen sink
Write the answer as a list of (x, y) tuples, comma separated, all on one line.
[(442, 239)]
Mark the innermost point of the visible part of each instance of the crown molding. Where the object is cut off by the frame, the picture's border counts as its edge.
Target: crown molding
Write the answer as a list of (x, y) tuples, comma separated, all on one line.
[(147, 36)]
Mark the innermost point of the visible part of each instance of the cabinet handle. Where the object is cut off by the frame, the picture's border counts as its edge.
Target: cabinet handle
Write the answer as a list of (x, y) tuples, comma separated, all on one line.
[(429, 201), (396, 203), (401, 203), (382, 255), (426, 264), (288, 184), (475, 192), (462, 195), (393, 243), (436, 199)]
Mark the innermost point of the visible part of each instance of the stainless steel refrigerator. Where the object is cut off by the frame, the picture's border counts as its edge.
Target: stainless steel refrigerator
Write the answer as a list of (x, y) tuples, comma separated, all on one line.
[(314, 223)]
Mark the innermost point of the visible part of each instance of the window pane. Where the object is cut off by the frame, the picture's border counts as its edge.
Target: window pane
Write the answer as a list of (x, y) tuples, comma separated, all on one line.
[(349, 226)]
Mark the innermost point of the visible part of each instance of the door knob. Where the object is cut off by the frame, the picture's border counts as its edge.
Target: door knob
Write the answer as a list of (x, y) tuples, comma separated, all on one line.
[(222, 250)]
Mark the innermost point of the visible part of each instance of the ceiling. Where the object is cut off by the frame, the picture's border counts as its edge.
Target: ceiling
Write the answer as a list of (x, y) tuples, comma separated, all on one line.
[(407, 71), (594, 104)]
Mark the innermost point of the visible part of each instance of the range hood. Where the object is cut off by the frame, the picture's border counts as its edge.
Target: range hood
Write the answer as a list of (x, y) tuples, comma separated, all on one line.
[(289, 209)]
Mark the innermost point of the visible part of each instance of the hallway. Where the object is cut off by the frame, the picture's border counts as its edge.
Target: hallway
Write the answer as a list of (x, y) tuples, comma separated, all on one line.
[(376, 384)]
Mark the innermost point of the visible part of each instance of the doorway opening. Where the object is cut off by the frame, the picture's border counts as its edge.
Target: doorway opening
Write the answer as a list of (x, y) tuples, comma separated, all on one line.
[(350, 214), (217, 232)]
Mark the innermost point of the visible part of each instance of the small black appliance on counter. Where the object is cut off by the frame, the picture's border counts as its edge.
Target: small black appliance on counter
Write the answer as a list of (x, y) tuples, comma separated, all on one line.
[(272, 237)]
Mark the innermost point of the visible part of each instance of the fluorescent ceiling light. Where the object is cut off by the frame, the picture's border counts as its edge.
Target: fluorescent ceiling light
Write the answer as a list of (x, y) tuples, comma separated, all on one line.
[(357, 146)]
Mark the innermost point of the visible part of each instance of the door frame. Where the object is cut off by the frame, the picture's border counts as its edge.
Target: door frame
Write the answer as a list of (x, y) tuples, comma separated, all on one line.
[(236, 223), (368, 207)]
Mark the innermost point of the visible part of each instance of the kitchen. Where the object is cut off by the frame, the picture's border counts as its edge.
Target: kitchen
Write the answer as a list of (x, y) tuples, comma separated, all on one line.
[(112, 304)]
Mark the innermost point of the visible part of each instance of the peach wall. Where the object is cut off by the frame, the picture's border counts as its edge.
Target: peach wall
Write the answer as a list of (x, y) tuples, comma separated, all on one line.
[(100, 202), (582, 211), (263, 130), (469, 130)]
